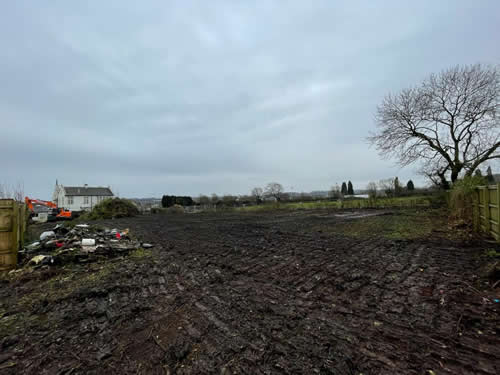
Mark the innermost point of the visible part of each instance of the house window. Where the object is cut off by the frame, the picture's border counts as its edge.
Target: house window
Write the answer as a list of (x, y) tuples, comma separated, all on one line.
[(69, 200), (85, 200)]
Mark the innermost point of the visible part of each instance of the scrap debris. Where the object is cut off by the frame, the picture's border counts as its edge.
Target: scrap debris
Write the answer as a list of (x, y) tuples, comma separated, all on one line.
[(79, 244)]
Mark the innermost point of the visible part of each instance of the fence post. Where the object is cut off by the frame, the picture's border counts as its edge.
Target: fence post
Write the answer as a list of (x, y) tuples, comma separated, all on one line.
[(497, 219), (476, 200), (487, 223), (22, 226)]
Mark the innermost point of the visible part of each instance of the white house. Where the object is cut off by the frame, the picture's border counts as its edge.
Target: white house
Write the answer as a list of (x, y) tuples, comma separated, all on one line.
[(79, 198)]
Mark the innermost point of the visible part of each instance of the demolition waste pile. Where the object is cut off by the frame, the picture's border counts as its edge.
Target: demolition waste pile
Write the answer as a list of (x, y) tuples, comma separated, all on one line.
[(83, 243)]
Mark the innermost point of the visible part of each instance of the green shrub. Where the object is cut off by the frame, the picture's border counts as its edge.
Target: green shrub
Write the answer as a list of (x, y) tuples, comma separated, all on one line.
[(462, 195), (439, 199), (175, 209), (112, 208)]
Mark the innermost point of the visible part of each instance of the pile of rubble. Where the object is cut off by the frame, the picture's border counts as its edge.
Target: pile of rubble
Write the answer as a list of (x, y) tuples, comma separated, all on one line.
[(82, 243)]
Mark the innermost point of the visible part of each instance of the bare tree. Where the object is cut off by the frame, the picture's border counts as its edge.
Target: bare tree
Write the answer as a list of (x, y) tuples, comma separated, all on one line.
[(436, 171), (204, 200), (15, 192), (18, 192), (229, 200), (397, 187), (334, 192), (273, 189), (257, 194), (214, 199), (372, 189), (387, 186), (449, 122)]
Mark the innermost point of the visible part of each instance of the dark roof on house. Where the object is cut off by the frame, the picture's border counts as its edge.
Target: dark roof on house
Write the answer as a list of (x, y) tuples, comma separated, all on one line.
[(86, 190)]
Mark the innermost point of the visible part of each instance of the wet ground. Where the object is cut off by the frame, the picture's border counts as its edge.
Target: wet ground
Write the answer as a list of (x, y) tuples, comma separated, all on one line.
[(268, 293)]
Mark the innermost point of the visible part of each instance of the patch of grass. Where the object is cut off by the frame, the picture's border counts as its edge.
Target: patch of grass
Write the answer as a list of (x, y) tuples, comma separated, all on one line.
[(399, 202), (492, 253), (66, 283), (10, 324), (403, 225), (59, 287), (140, 253)]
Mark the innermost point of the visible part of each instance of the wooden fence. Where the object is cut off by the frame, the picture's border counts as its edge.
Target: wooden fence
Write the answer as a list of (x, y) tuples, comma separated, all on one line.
[(486, 210), (12, 228)]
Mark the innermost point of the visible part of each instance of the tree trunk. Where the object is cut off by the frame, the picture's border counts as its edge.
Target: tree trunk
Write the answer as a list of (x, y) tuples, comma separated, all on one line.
[(454, 174), (444, 183)]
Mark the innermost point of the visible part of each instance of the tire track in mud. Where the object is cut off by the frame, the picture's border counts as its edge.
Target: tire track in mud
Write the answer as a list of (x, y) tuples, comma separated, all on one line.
[(286, 289), (252, 294)]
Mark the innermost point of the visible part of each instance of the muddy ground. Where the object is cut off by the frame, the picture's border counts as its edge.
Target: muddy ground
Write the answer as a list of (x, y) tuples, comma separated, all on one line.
[(268, 293)]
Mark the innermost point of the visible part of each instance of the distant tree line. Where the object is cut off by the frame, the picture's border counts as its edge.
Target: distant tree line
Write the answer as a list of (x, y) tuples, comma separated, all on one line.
[(390, 187), (490, 179), (339, 193), (170, 200), (274, 192)]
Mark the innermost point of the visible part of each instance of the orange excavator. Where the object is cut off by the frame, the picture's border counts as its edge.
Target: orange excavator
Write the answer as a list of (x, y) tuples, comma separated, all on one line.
[(37, 206)]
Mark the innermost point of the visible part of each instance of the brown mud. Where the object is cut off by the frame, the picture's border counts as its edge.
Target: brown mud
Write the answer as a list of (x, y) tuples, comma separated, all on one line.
[(268, 293)]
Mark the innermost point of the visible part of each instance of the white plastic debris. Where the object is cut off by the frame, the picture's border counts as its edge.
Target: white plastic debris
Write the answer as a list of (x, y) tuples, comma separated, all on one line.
[(147, 245), (47, 234), (82, 226), (88, 242)]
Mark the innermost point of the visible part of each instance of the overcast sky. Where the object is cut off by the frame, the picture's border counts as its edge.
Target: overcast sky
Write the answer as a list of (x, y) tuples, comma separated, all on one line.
[(216, 96)]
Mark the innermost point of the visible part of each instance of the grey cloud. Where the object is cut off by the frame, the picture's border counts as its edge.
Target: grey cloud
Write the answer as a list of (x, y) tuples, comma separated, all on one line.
[(201, 97)]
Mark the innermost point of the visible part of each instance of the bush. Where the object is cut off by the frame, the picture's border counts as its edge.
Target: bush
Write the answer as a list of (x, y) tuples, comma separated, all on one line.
[(461, 196), (171, 200), (175, 209), (111, 209)]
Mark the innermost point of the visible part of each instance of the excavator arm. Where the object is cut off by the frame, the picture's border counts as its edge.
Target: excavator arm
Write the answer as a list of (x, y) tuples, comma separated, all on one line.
[(57, 212), (30, 202)]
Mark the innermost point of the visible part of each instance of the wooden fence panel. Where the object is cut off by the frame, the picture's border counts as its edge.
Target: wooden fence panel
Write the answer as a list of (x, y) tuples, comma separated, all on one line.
[(487, 210), (12, 228)]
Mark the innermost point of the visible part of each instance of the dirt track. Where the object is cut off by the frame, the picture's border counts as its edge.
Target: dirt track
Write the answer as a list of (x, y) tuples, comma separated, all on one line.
[(255, 294)]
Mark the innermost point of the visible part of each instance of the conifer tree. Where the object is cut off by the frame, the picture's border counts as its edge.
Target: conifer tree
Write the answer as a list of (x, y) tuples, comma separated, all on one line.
[(344, 189), (350, 190)]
